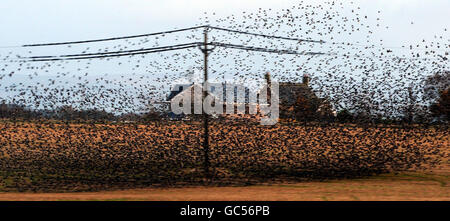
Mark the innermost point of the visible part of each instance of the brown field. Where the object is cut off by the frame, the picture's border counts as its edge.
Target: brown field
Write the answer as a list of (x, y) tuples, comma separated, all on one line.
[(163, 161), (403, 187)]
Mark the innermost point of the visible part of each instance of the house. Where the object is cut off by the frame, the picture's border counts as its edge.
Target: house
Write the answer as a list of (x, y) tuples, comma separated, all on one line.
[(298, 100), (220, 95)]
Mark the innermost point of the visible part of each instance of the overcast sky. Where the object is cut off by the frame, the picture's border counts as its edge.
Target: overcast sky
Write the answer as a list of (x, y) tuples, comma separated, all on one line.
[(31, 21), (42, 21)]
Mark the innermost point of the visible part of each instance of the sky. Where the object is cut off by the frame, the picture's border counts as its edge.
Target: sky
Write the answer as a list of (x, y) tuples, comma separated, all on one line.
[(29, 21), (32, 21)]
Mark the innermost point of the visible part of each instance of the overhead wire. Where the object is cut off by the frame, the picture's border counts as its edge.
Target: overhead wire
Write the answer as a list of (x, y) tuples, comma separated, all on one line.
[(114, 38), (260, 49), (177, 47), (106, 54)]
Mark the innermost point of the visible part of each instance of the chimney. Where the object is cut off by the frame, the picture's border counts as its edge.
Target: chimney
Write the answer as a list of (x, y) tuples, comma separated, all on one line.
[(268, 79), (306, 79)]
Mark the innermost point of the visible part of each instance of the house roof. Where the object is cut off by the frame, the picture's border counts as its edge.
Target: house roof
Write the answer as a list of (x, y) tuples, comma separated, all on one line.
[(181, 88)]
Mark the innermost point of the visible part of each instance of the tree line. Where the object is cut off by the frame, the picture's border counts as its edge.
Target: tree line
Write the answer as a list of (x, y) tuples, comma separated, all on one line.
[(305, 109)]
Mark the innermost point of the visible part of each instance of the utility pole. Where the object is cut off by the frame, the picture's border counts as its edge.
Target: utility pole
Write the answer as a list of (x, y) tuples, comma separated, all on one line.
[(205, 51)]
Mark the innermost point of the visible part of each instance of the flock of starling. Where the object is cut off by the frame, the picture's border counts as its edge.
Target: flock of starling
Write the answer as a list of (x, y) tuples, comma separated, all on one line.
[(51, 156), (134, 74)]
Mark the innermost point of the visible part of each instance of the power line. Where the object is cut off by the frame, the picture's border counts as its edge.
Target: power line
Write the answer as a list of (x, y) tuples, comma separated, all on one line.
[(221, 29), (162, 33), (322, 41), (292, 52), (192, 45), (107, 54), (113, 39), (114, 52), (268, 50), (266, 36), (181, 46)]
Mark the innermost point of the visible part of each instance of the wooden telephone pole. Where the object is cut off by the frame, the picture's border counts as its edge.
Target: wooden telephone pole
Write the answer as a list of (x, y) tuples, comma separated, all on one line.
[(205, 51)]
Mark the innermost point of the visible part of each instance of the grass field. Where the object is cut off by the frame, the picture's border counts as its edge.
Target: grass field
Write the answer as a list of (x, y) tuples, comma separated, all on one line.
[(163, 161)]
